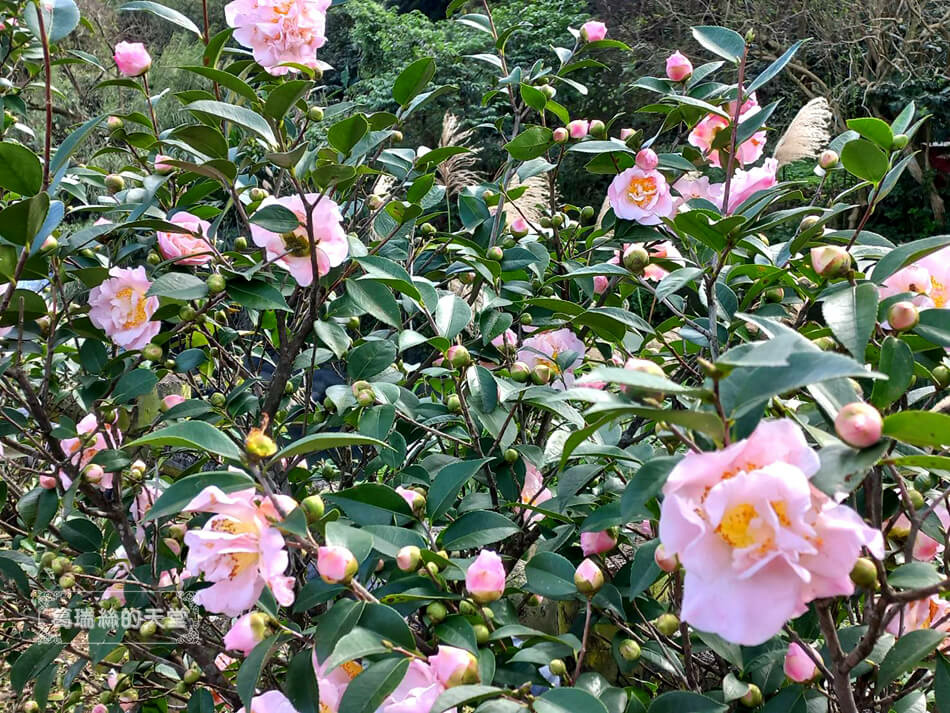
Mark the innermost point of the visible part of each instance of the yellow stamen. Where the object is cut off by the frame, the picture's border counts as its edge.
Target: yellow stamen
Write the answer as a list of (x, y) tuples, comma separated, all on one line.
[(734, 527), (136, 300), (642, 190)]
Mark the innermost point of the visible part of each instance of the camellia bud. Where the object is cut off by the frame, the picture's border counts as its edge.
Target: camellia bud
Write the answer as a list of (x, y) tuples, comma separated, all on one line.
[(598, 129), (437, 612), (360, 385), (588, 578), (49, 245), (664, 561), (864, 573), (561, 135), (859, 424), (152, 352), (774, 294), (397, 135), (114, 123), (900, 141), (315, 113), (548, 91), (455, 667), (482, 634), (192, 676), (557, 667), (495, 253), (647, 160), (635, 259), (114, 183), (414, 499), (148, 629), (830, 260), (366, 398), (520, 372), (67, 581), (453, 403), (314, 507), (511, 456), (541, 374), (629, 650), (941, 376), (336, 564), (525, 319), (808, 222), (667, 624), (240, 243), (828, 159), (216, 283), (916, 499), (218, 400), (752, 697), (408, 558), (48, 482), (458, 356), (259, 445), (138, 468), (903, 315)]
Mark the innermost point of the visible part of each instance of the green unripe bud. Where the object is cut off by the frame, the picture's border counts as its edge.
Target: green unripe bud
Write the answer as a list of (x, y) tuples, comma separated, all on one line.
[(808, 222), (458, 356), (181, 688), (900, 141), (366, 398), (314, 507), (105, 697), (315, 113), (916, 499), (775, 294), (114, 183), (353, 323), (541, 374), (467, 608), (636, 259), (525, 319), (437, 612), (88, 253), (511, 456), (31, 707), (360, 385), (864, 573), (548, 91), (60, 565), (941, 376), (187, 313), (924, 482), (240, 243), (397, 136), (752, 697), (587, 212), (216, 283), (482, 634), (192, 676), (153, 259), (520, 372), (432, 568), (47, 559), (67, 581), (826, 344), (598, 129), (667, 624), (557, 220), (218, 400), (148, 629), (495, 253), (114, 123), (289, 388), (629, 650), (557, 667), (152, 352), (544, 221)]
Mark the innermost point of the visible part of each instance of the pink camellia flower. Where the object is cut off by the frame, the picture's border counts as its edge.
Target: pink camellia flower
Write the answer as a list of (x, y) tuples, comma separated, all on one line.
[(595, 543), (678, 67), (693, 185), (172, 400), (128, 699), (546, 347), (485, 577), (416, 693), (48, 482), (830, 260), (746, 183), (413, 498), (291, 251), (859, 424), (519, 227), (592, 31), (533, 492), (704, 133), (925, 547), (336, 564), (588, 577), (903, 315), (930, 613), (938, 265), (643, 196), (332, 684), (246, 633), (161, 164), (602, 281), (189, 248), (238, 550), (663, 251), (132, 58), (280, 31), (454, 666), (578, 128), (100, 708), (914, 278), (143, 501), (120, 308), (90, 440), (748, 527), (626, 134), (270, 702), (799, 666), (664, 561)]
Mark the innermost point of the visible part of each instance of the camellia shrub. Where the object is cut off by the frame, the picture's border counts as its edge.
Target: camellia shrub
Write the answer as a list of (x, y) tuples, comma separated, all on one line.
[(298, 418)]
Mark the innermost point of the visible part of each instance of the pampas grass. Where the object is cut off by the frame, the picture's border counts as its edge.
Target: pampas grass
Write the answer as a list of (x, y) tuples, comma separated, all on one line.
[(807, 135)]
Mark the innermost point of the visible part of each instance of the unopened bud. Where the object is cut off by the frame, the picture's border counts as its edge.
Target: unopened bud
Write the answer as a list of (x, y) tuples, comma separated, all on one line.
[(635, 259), (408, 558), (511, 456), (114, 183), (664, 561), (830, 260), (859, 424), (828, 159), (495, 253), (313, 507), (561, 135), (667, 624), (752, 698), (259, 445), (900, 141), (629, 650), (598, 129), (557, 667), (315, 113), (541, 374), (903, 315), (114, 123), (588, 578), (520, 372), (458, 356), (437, 612), (864, 573)]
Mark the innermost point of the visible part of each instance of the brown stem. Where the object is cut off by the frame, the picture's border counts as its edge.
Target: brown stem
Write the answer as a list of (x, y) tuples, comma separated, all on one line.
[(841, 678), (580, 655)]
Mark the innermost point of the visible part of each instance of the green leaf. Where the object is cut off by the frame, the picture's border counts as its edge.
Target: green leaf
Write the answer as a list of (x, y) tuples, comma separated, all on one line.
[(284, 96), (874, 130), (908, 652), (20, 169), (942, 684), (645, 570), (530, 143), (905, 254), (568, 700), (60, 17), (177, 496), (354, 645), (447, 483), (133, 384), (166, 13), (914, 575), (477, 528), (452, 315), (369, 359), (69, 146), (773, 69), (32, 663), (721, 41), (300, 683), (375, 299), (897, 361), (193, 435), (366, 692), (344, 135), (483, 388), (843, 468), (457, 695), (20, 222), (412, 80), (81, 534), (680, 701), (865, 160), (390, 273), (934, 326), (10, 571), (325, 441), (851, 314), (26, 302), (370, 504), (242, 116), (551, 575), (227, 80), (257, 294), (250, 671), (276, 219), (919, 428), (179, 286)]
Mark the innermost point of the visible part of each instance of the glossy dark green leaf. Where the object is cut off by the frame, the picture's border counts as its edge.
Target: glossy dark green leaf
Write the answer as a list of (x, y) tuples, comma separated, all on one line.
[(412, 80), (20, 169), (721, 41), (192, 435)]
